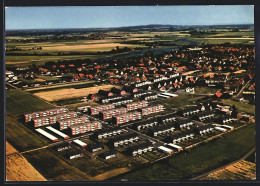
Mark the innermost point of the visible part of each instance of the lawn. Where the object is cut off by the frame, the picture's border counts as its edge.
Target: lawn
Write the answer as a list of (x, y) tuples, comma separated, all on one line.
[(201, 159), (244, 107)]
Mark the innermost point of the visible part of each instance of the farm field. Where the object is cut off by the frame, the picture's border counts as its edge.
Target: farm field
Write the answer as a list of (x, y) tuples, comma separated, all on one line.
[(9, 149), (83, 49), (243, 170), (67, 93), (22, 138), (200, 159), (19, 102), (61, 86), (19, 169)]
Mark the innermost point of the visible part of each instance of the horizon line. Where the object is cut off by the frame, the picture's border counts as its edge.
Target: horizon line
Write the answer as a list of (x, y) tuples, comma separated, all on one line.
[(127, 26)]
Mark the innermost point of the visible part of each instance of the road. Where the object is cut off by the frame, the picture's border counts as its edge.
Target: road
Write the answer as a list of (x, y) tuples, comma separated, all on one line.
[(243, 87), (224, 166)]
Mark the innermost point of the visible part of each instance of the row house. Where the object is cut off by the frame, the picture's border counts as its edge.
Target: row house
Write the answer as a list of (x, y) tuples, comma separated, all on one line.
[(162, 130), (124, 118), (108, 132), (28, 117), (204, 129), (167, 118), (100, 108), (85, 127), (152, 109), (108, 99), (145, 124), (135, 105), (64, 124), (124, 139), (143, 83), (119, 102), (159, 79), (108, 154), (49, 120), (204, 115), (139, 94), (113, 112), (74, 155), (149, 96), (189, 111), (140, 148), (62, 146), (225, 119), (184, 123), (95, 147), (172, 75), (182, 136)]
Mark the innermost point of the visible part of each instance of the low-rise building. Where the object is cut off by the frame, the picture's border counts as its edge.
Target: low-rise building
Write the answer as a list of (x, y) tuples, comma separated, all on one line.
[(162, 129), (95, 147), (189, 111), (140, 148), (149, 96), (108, 132), (74, 155), (124, 139), (204, 115), (145, 124), (109, 154), (165, 150), (168, 118), (62, 146)]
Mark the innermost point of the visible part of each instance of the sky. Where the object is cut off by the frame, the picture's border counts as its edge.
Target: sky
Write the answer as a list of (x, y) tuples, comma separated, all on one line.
[(117, 16)]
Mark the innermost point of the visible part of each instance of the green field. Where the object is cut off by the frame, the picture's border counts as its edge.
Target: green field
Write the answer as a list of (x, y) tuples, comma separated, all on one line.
[(21, 137), (17, 134), (53, 168), (178, 102), (19, 102), (244, 107), (200, 159)]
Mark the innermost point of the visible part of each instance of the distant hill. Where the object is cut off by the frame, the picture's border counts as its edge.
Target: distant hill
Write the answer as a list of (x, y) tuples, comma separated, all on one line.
[(152, 27)]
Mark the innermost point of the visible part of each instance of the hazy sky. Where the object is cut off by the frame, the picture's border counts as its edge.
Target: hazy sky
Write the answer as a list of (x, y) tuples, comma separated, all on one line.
[(116, 16)]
